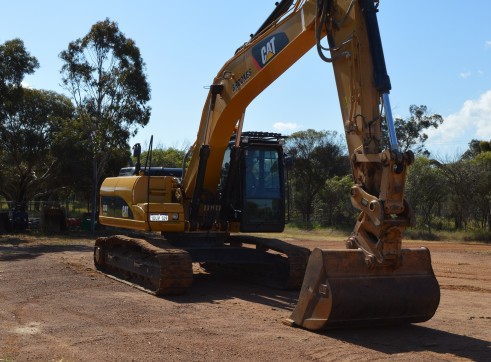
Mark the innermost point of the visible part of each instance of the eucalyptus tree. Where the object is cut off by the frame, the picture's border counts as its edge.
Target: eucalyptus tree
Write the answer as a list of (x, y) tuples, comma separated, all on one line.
[(317, 156), (334, 202), (15, 63), (166, 157), (426, 190), (481, 196), (27, 133), (411, 132), (476, 147), (105, 76)]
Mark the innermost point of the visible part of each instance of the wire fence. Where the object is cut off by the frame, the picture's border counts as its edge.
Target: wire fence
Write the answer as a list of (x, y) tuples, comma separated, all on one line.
[(44, 215)]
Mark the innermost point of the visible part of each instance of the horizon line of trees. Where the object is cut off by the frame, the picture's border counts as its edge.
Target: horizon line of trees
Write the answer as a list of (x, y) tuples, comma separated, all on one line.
[(455, 195)]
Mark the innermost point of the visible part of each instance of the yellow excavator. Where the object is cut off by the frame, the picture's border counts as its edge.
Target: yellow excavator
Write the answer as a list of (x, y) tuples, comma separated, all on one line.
[(234, 186)]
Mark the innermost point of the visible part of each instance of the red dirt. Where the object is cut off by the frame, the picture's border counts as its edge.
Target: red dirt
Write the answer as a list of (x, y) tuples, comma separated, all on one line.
[(54, 306)]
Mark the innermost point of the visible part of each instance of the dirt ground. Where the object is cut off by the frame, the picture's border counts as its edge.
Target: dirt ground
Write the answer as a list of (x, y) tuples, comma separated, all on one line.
[(54, 306)]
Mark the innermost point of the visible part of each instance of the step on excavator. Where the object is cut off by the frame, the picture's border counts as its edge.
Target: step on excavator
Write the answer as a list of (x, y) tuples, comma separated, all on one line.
[(233, 185)]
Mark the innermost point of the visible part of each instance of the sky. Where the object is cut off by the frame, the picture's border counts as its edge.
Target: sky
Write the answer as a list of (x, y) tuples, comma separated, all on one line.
[(437, 53)]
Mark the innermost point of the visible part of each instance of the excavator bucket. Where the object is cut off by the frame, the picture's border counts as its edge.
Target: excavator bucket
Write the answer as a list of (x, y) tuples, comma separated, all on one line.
[(340, 289)]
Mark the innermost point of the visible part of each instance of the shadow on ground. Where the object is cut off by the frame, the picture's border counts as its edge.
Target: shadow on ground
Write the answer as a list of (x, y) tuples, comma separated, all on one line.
[(414, 338), (213, 288), (17, 249), (388, 340)]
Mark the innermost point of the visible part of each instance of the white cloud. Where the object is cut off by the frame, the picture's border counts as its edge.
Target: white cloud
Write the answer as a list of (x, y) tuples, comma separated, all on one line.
[(282, 126), (487, 43), (26, 85), (465, 75), (472, 121)]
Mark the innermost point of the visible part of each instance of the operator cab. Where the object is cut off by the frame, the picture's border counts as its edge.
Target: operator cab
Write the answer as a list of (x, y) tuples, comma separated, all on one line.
[(253, 184)]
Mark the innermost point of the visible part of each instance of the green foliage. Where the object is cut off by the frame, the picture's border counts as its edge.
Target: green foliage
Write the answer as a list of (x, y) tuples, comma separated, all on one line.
[(27, 132), (476, 147), (481, 212), (461, 180), (425, 190), (411, 131), (104, 74), (473, 150), (485, 146), (317, 155), (165, 157), (334, 202), (73, 150), (15, 64)]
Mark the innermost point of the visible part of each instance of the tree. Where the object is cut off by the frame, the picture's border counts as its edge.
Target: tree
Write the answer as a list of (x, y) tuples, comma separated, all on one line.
[(104, 73), (476, 147), (410, 131), (317, 156), (26, 120), (27, 133), (461, 181), (75, 160), (478, 156), (335, 203), (485, 146), (426, 190), (15, 64), (165, 157), (481, 197)]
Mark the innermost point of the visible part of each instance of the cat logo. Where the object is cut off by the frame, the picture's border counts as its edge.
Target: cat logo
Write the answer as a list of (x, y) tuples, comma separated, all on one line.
[(267, 48)]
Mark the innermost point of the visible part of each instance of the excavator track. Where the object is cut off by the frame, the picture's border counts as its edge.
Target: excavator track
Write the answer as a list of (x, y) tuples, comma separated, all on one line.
[(158, 271), (160, 267), (274, 263)]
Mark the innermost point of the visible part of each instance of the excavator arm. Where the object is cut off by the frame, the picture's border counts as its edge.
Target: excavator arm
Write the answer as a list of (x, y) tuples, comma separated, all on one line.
[(363, 86), (377, 282)]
